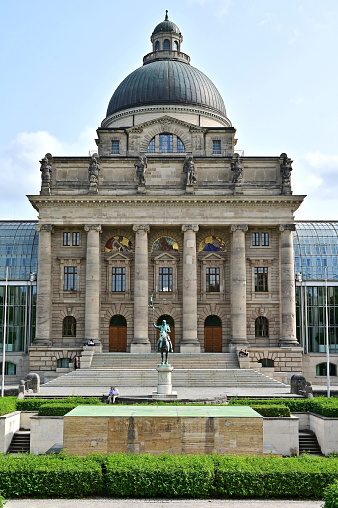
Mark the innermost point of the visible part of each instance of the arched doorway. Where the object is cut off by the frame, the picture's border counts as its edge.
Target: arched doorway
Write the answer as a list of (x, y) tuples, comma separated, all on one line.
[(118, 334), (213, 335), (171, 323)]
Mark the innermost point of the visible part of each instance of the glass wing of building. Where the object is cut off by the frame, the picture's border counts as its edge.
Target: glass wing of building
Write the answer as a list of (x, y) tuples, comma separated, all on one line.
[(316, 268), (18, 261)]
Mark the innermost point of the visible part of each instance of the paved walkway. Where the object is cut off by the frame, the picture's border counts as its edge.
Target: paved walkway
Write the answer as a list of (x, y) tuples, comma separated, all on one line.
[(165, 503)]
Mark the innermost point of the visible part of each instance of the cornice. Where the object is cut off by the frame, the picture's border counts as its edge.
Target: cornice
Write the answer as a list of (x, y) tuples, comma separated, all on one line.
[(94, 201)]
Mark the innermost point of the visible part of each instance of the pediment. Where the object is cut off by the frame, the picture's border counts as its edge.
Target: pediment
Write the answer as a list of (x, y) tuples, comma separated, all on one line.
[(213, 256), (117, 256), (165, 121), (165, 256)]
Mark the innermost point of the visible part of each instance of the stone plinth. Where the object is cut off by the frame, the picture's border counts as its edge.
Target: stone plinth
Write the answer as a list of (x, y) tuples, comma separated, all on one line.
[(164, 386), (158, 429)]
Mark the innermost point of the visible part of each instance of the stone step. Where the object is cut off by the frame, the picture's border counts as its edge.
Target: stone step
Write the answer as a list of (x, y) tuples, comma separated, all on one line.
[(308, 443), (20, 442)]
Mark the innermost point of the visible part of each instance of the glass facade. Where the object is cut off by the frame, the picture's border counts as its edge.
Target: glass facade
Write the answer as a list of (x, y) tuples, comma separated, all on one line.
[(18, 253), (316, 256)]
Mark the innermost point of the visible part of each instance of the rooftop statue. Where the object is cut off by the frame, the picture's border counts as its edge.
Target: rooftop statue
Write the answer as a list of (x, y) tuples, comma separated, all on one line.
[(237, 169), (140, 167), (46, 172), (93, 173)]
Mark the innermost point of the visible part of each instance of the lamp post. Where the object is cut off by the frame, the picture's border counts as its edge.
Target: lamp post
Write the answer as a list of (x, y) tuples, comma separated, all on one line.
[(327, 339), (4, 339)]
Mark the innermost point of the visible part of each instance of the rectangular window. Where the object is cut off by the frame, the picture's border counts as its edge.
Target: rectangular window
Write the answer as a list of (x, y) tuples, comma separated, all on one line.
[(261, 280), (76, 239), (165, 282), (265, 239), (66, 239), (166, 143), (216, 146), (70, 278), (115, 146), (212, 280), (118, 280), (255, 239)]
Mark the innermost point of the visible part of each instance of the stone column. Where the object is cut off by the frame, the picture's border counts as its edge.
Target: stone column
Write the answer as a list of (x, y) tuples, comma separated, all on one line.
[(92, 295), (141, 343), (288, 298), (189, 343), (238, 287), (44, 287)]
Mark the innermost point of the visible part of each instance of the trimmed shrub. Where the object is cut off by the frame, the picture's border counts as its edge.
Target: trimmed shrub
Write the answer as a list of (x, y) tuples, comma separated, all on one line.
[(7, 405), (49, 476), (273, 411), (274, 477), (319, 405), (331, 495), (59, 409), (168, 476), (33, 404)]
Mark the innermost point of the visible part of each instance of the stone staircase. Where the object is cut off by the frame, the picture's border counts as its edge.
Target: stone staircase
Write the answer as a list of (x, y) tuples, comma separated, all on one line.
[(190, 370), (308, 443), (20, 442)]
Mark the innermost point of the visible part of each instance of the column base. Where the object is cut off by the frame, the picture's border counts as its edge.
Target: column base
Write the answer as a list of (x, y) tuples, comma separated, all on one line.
[(140, 347), (238, 344), (190, 347), (288, 343), (42, 342)]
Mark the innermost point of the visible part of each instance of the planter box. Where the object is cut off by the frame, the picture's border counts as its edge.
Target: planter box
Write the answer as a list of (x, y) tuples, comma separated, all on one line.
[(9, 424), (45, 432), (282, 434)]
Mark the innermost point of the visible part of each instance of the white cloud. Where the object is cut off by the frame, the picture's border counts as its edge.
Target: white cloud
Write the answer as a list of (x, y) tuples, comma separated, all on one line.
[(20, 168), (296, 100), (266, 18), (316, 174), (294, 37)]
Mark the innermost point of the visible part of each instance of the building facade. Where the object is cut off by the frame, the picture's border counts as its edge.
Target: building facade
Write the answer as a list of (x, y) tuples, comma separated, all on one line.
[(166, 207)]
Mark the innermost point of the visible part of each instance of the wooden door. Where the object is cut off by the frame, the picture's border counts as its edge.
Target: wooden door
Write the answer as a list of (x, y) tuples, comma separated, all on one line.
[(118, 339), (213, 339)]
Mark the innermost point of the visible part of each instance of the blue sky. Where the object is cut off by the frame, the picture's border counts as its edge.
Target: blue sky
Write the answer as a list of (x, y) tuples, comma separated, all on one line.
[(273, 61)]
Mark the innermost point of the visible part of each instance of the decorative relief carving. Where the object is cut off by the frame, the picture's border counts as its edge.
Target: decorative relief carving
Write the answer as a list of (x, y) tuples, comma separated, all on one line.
[(239, 227), (44, 227), (285, 227), (93, 227), (141, 227), (261, 262), (190, 227)]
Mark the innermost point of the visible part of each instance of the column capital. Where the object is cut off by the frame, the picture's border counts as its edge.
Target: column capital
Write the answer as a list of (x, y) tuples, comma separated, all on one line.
[(239, 227), (93, 227), (141, 227), (44, 227), (289, 227), (190, 227)]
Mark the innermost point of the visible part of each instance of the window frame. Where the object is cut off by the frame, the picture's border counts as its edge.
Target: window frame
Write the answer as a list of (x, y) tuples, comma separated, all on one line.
[(69, 324), (69, 276), (218, 143), (118, 277), (66, 238), (261, 324), (165, 274), (115, 151), (261, 279), (209, 286), (75, 239)]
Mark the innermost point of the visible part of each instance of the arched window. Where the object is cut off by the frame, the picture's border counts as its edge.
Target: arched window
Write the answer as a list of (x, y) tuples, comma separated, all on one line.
[(157, 46), (166, 45), (175, 45), (10, 368), (267, 362), (321, 369), (261, 327), (63, 363), (69, 326), (151, 146), (168, 143), (180, 146)]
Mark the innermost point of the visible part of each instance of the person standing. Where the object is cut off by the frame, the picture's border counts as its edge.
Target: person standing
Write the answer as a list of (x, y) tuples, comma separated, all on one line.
[(76, 362)]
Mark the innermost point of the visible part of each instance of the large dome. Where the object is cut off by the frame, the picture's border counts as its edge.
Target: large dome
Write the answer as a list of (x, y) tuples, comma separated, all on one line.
[(166, 81)]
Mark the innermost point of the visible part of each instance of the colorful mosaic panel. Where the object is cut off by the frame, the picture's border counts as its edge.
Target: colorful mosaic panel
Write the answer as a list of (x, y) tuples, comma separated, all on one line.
[(119, 244), (212, 243), (165, 243)]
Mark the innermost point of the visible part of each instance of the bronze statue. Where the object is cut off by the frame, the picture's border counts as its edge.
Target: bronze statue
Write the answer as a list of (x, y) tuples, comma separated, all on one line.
[(189, 170), (140, 167), (164, 344), (237, 169)]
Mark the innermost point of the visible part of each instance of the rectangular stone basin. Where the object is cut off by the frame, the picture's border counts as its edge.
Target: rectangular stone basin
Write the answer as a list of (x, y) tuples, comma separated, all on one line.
[(158, 429)]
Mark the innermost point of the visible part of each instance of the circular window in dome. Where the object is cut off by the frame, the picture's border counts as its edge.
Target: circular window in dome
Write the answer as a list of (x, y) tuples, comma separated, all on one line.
[(212, 243), (119, 244)]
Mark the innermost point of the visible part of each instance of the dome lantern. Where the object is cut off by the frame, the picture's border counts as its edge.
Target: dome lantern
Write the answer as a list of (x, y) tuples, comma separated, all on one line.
[(166, 36)]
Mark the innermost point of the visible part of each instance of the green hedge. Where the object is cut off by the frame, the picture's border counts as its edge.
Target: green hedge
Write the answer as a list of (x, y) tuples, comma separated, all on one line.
[(331, 495), (59, 409), (171, 476), (272, 411), (34, 404), (7, 405), (319, 405), (49, 476), (274, 477), (159, 476)]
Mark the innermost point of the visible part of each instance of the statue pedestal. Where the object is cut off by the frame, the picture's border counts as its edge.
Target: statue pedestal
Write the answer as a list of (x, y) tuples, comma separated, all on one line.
[(164, 386), (141, 189)]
